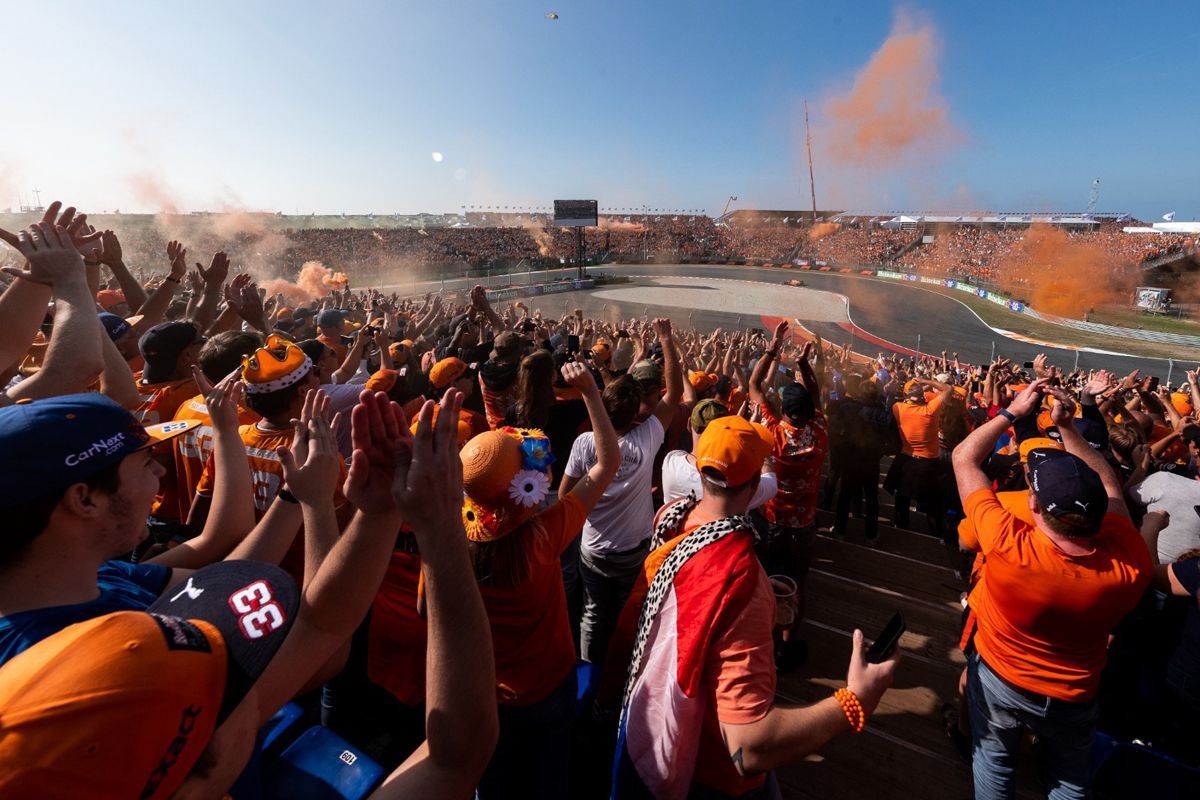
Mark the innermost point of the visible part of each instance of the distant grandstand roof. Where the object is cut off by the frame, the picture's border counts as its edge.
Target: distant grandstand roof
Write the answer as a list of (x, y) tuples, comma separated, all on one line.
[(776, 216)]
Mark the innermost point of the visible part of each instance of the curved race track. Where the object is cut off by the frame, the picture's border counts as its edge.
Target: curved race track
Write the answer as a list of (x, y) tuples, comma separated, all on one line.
[(882, 316)]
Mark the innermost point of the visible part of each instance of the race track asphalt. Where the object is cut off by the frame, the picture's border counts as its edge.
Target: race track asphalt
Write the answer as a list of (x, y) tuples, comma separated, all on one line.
[(885, 316)]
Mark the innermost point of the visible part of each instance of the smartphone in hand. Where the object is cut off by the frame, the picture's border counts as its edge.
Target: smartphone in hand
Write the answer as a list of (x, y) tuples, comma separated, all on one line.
[(885, 643)]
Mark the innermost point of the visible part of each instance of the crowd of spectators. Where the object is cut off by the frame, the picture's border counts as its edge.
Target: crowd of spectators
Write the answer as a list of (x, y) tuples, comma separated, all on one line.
[(209, 492), (990, 256)]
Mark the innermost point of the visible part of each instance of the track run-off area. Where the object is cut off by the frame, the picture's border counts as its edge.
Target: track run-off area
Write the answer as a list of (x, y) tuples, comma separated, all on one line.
[(873, 316)]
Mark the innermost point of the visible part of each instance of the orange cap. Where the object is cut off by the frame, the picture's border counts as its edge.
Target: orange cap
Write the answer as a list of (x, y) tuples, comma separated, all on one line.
[(602, 349), (446, 372), (702, 381), (399, 351), (464, 421), (111, 707), (734, 448), (1035, 443), (1181, 402), (382, 381), (283, 312)]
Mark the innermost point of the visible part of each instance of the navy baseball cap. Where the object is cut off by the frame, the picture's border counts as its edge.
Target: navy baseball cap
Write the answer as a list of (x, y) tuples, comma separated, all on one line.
[(51, 444), (797, 402), (114, 326), (331, 318), (1064, 484), (162, 345)]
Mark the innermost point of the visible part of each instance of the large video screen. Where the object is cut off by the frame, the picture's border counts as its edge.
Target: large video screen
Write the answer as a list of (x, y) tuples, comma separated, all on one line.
[(575, 213)]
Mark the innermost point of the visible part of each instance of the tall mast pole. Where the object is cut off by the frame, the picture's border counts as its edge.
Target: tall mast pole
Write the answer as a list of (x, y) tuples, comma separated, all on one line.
[(812, 185)]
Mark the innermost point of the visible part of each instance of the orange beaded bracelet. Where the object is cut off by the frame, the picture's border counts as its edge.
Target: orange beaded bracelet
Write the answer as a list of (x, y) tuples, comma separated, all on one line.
[(852, 708)]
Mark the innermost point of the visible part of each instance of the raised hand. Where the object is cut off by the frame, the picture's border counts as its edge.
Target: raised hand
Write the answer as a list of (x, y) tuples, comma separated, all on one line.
[(1030, 399), (1039, 365), (428, 483), (662, 328), (1098, 383), (177, 254), (50, 253), (781, 332), (579, 376), (311, 464), (217, 272), (378, 433), (221, 400), (111, 254), (1062, 413), (195, 282)]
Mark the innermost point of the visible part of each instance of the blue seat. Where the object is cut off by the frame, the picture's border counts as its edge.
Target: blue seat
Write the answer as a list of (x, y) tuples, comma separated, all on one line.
[(320, 765), (586, 678), (279, 725), (1123, 769)]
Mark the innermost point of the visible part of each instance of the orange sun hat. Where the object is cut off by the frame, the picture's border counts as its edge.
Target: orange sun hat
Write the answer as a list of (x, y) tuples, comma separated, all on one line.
[(506, 478)]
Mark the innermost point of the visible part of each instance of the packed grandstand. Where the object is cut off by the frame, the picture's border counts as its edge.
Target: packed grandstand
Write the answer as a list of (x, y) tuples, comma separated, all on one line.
[(454, 543)]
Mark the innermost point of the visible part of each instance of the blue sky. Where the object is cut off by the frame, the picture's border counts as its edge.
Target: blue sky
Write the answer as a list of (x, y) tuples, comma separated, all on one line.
[(337, 107)]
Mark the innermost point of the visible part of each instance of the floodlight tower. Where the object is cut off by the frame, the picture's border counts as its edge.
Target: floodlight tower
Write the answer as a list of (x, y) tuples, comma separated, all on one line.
[(1094, 197)]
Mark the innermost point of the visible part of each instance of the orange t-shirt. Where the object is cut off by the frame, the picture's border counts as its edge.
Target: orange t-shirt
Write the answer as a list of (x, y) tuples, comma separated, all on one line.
[(531, 635), (160, 401), (740, 666), (919, 427), (1044, 616), (192, 449)]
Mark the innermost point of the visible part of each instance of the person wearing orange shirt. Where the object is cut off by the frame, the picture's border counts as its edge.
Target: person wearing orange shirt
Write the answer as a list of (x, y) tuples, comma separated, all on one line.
[(170, 350), (915, 472), (1048, 599), (516, 542), (787, 523), (329, 329), (219, 356)]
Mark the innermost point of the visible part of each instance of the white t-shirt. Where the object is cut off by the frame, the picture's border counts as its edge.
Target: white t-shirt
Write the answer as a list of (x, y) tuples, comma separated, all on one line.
[(680, 478), (1179, 497), (625, 514)]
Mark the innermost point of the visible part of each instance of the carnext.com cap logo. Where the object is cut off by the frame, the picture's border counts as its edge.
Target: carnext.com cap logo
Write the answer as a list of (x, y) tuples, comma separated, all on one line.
[(102, 447)]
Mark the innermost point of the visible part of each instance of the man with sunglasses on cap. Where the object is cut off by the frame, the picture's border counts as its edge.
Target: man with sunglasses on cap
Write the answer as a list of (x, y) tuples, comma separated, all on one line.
[(1047, 600), (702, 721)]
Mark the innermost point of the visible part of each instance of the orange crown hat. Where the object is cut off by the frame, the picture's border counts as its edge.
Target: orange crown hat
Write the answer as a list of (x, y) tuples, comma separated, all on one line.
[(446, 372), (734, 448), (506, 477), (277, 366), (399, 351)]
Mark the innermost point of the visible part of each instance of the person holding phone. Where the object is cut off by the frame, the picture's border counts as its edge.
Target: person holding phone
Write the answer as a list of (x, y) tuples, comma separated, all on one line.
[(705, 723)]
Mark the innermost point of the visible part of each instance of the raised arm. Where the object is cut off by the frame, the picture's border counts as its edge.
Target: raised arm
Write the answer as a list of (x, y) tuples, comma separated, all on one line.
[(591, 486), (968, 457), (759, 375), (231, 514), (1062, 414), (73, 357), (672, 372), (111, 256)]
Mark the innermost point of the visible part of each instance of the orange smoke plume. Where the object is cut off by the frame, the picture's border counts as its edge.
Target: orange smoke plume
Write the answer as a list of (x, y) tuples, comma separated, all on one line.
[(1064, 276), (150, 190), (314, 282), (822, 229), (610, 224), (894, 107)]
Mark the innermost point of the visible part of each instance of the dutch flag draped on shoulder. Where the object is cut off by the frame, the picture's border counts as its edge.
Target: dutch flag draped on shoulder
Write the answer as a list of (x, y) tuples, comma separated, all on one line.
[(663, 708)]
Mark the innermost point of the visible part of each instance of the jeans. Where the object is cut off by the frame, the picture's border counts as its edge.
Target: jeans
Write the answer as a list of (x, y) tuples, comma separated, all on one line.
[(607, 581), (572, 586), (533, 752), (1000, 713)]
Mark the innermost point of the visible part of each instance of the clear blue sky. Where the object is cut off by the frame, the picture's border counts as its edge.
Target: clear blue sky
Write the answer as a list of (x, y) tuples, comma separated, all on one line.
[(333, 107)]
